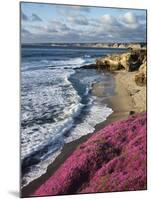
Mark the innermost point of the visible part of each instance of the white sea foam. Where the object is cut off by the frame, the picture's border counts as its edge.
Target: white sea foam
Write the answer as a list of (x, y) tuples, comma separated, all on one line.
[(98, 113), (39, 169), (70, 62), (39, 100)]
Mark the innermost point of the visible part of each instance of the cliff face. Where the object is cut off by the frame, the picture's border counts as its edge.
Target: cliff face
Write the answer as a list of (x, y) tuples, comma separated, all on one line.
[(134, 60), (130, 61), (113, 159), (141, 76)]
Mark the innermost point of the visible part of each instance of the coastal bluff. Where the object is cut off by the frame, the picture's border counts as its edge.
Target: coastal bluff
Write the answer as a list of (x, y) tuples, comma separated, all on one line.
[(113, 159), (133, 60), (130, 61), (130, 73)]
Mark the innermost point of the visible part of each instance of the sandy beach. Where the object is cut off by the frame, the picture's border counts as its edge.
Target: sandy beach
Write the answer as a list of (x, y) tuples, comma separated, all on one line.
[(137, 94), (129, 98)]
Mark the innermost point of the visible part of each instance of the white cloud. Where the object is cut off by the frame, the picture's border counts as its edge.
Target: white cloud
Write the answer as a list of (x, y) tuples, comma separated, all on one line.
[(77, 27), (108, 19), (78, 20), (129, 18)]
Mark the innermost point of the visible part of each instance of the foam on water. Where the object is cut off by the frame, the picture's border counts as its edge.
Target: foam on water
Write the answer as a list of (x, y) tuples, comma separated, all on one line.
[(67, 63), (97, 114), (39, 104)]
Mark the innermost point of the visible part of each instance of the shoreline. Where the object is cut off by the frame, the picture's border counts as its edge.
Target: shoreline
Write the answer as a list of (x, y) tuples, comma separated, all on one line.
[(129, 97), (68, 149)]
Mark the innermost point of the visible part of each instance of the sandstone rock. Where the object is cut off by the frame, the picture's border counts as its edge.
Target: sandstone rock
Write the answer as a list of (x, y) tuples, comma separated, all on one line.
[(141, 77), (122, 46), (134, 46), (124, 61), (134, 61), (110, 62), (130, 61), (115, 45), (143, 68)]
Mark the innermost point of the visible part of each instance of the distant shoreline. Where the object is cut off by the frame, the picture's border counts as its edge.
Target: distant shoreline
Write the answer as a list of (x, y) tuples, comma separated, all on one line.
[(89, 45)]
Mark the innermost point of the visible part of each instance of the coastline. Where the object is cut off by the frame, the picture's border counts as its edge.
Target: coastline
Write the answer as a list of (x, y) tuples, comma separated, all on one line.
[(128, 98), (119, 112)]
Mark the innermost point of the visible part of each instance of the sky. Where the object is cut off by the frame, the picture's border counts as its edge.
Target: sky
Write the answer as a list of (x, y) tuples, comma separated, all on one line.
[(52, 23)]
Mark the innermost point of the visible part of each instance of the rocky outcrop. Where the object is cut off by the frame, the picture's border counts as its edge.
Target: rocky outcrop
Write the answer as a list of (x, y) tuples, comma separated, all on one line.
[(110, 63), (141, 77), (130, 61), (134, 46), (113, 159)]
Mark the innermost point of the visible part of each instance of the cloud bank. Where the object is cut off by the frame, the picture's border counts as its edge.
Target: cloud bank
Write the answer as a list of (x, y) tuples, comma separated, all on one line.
[(79, 24)]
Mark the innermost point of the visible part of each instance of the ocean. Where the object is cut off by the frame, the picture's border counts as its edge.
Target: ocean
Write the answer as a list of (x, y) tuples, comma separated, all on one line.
[(57, 105)]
